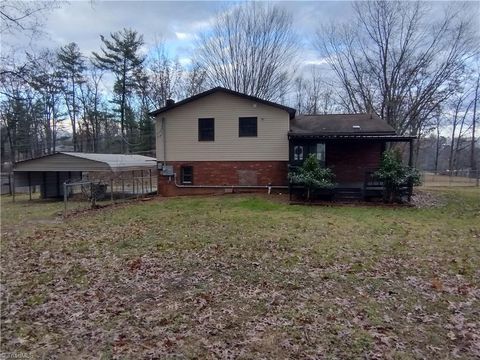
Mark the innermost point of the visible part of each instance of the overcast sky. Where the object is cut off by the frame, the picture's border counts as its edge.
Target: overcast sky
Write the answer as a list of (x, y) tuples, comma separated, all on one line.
[(175, 23)]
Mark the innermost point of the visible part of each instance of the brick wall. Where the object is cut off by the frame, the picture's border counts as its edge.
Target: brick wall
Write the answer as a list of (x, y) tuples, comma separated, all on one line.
[(350, 160), (226, 173)]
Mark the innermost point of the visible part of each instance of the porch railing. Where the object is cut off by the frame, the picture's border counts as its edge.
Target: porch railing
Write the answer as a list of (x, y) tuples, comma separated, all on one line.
[(373, 187)]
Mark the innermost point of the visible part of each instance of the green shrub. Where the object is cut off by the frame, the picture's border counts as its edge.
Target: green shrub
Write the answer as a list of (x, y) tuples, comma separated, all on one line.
[(312, 176), (395, 175)]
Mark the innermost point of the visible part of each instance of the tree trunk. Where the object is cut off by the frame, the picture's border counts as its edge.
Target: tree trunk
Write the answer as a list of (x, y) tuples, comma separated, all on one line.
[(74, 121), (437, 150), (122, 107), (473, 160)]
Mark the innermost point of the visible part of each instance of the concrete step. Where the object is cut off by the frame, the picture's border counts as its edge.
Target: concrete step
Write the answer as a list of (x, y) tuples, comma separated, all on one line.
[(348, 194)]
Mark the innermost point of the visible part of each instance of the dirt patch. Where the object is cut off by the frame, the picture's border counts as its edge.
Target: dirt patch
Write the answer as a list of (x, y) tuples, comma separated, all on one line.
[(426, 199)]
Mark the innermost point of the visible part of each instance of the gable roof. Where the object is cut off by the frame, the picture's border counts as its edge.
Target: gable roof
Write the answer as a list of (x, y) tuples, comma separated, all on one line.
[(340, 124), (78, 161), (291, 111)]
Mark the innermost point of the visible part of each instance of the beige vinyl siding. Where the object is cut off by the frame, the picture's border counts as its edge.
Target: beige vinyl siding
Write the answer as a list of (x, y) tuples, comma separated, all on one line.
[(181, 125)]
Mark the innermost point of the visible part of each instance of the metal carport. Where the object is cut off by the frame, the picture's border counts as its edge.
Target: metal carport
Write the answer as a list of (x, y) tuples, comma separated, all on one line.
[(51, 171)]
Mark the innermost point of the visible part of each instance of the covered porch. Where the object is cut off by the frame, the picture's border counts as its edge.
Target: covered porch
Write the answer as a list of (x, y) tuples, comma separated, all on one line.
[(351, 146)]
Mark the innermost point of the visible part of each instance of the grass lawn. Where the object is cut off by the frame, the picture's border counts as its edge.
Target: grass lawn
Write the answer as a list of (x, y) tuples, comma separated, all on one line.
[(242, 276)]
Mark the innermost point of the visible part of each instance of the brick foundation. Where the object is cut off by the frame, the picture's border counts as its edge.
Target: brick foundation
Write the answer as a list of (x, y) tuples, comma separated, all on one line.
[(225, 173)]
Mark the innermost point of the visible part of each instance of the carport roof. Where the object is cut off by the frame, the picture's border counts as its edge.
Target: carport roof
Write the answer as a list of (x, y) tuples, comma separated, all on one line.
[(78, 161)]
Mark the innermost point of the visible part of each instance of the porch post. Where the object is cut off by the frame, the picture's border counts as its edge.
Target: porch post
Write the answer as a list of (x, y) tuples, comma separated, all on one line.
[(410, 152)]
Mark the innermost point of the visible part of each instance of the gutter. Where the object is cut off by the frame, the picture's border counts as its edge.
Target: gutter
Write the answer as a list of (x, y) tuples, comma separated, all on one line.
[(268, 187)]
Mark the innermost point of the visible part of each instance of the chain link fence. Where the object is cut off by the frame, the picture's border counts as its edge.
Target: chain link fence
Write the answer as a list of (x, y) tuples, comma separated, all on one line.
[(86, 194), (452, 178)]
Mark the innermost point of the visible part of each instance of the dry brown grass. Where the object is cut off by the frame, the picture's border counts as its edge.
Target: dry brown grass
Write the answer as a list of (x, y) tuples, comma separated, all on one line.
[(242, 277)]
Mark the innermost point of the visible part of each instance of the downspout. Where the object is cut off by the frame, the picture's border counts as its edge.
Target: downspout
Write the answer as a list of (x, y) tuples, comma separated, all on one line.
[(164, 142)]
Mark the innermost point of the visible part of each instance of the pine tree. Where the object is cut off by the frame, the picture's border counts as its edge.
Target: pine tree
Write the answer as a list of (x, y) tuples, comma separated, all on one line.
[(120, 55), (72, 65)]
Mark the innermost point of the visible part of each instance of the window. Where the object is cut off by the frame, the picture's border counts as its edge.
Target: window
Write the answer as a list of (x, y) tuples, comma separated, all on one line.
[(247, 127), (298, 153), (320, 153), (186, 174), (206, 129)]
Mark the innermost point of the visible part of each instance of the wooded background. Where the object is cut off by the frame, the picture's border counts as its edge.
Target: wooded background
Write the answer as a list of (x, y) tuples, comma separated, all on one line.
[(417, 71)]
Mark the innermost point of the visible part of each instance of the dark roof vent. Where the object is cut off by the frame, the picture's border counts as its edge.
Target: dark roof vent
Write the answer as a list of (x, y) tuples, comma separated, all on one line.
[(169, 102)]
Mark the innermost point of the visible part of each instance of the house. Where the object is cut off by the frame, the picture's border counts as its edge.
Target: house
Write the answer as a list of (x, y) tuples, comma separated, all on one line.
[(222, 140)]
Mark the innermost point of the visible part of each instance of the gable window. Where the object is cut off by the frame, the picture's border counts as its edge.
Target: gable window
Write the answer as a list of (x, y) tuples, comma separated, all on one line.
[(247, 127), (186, 175), (206, 129)]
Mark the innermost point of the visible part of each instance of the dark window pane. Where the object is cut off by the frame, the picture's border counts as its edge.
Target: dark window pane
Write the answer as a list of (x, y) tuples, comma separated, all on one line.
[(298, 153), (206, 129), (247, 127), (186, 174), (320, 153)]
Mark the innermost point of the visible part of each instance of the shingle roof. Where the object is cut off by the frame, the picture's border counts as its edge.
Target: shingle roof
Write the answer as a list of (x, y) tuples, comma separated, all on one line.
[(340, 124), (291, 111)]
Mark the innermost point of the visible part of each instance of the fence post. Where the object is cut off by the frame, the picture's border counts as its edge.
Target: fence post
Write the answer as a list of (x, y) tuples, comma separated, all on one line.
[(13, 186), (478, 178), (65, 197), (30, 185)]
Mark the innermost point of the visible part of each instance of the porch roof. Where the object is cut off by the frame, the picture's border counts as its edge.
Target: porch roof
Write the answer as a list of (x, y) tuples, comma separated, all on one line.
[(343, 126), (364, 136)]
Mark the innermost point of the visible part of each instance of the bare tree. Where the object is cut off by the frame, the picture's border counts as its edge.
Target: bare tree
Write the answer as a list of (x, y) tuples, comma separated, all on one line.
[(397, 60), (314, 95), (89, 97), (165, 76), (460, 108), (46, 79), (194, 80), (24, 16), (250, 49)]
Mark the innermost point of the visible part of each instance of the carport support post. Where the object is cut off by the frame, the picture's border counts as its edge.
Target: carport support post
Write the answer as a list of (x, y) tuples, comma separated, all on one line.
[(133, 182), (111, 190), (150, 173)]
